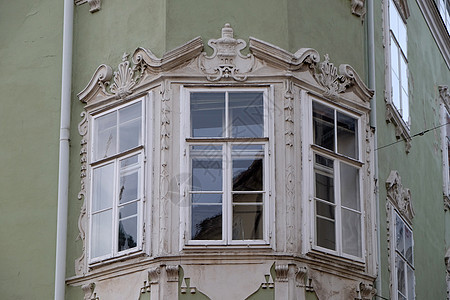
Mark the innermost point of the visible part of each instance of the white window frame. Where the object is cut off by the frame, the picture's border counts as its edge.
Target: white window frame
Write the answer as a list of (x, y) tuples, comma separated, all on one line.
[(115, 159), (268, 179), (394, 253), (395, 41), (444, 8), (309, 150)]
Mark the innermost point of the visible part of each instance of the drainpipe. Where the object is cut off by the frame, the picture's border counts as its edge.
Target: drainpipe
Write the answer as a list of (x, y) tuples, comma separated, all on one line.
[(373, 124), (63, 172)]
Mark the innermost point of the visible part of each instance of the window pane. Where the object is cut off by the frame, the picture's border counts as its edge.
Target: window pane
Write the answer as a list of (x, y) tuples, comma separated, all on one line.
[(405, 107), (399, 232), (206, 198), (206, 222), (347, 132), (393, 18), (325, 210), (246, 114), (129, 162), (128, 210), (401, 286), (248, 167), (129, 187), (325, 233), (410, 282), (105, 136), (404, 74), (127, 234), (323, 124), (324, 188), (247, 198), (351, 233), (130, 135), (394, 58), (206, 164), (103, 187), (402, 37), (207, 114), (101, 234), (396, 91), (408, 245), (349, 186), (247, 222)]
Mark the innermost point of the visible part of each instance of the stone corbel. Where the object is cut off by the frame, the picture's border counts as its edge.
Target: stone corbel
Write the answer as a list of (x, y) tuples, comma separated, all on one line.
[(94, 5), (88, 290), (358, 8), (365, 291), (153, 275), (447, 277), (172, 273)]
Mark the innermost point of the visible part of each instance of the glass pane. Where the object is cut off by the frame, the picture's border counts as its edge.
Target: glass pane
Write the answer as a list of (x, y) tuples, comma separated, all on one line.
[(405, 107), (129, 162), (247, 222), (351, 233), (206, 164), (402, 36), (128, 210), (101, 234), (325, 233), (404, 74), (323, 124), (206, 222), (349, 186), (408, 245), (248, 167), (130, 112), (324, 210), (206, 198), (105, 136), (410, 282), (207, 114), (396, 91), (130, 135), (393, 18), (324, 162), (401, 286), (399, 232), (247, 198), (129, 187), (103, 187), (127, 234), (347, 135), (324, 187), (394, 58), (246, 114)]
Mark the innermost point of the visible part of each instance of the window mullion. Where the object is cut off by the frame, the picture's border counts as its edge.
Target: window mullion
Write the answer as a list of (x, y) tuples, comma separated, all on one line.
[(115, 203), (226, 121), (338, 207), (227, 196)]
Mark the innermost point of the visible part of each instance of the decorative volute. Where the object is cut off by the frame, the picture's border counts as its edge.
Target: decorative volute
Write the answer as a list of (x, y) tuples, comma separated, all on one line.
[(400, 196)]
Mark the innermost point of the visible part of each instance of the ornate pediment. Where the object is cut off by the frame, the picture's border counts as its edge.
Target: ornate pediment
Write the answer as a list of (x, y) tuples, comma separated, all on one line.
[(399, 196), (403, 8)]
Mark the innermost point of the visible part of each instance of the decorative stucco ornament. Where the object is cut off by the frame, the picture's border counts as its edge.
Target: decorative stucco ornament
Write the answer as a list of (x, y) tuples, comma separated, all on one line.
[(227, 60), (123, 79), (444, 93), (399, 196), (365, 291), (94, 5), (358, 8), (329, 78), (447, 277)]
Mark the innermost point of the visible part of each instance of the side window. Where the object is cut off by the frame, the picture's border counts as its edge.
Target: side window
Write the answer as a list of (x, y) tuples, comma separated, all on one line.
[(403, 260), (398, 63), (116, 168), (227, 146), (336, 181), (444, 10)]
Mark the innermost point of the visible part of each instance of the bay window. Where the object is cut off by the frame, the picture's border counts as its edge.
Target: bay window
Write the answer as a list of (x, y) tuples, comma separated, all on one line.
[(116, 181), (227, 158), (336, 181)]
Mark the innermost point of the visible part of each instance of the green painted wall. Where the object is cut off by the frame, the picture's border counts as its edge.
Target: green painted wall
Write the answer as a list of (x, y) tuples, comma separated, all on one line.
[(30, 80), (421, 169)]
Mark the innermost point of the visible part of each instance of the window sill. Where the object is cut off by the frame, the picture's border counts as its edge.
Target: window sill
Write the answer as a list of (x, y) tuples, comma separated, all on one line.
[(401, 128), (125, 256), (339, 261), (227, 248)]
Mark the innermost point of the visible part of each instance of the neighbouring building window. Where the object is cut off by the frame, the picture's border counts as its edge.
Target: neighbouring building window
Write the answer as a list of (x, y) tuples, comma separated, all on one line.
[(336, 180), (444, 10), (403, 262), (116, 181), (227, 152), (398, 63)]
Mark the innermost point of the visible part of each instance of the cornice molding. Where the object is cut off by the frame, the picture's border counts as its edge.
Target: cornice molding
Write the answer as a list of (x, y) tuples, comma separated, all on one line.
[(437, 28), (94, 5), (403, 9)]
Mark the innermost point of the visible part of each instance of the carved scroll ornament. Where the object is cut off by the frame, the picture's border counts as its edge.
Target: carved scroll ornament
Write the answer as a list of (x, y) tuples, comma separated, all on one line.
[(399, 196)]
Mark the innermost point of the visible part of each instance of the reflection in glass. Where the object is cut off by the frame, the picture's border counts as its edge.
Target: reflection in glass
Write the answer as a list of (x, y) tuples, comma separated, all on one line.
[(324, 187), (351, 233), (206, 164), (325, 233), (206, 222), (246, 114), (323, 125), (206, 198), (408, 245), (130, 126), (349, 186), (207, 114), (103, 183), (247, 222), (411, 282), (127, 233), (128, 189), (399, 232), (128, 210), (101, 234), (400, 275), (347, 132), (324, 210), (248, 167), (106, 136)]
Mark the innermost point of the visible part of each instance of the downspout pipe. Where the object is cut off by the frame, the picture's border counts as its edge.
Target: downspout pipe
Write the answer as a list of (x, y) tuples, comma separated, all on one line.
[(63, 172), (373, 124)]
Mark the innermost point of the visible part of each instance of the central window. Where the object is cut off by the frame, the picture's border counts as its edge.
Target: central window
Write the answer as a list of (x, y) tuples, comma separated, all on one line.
[(227, 155), (336, 179)]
